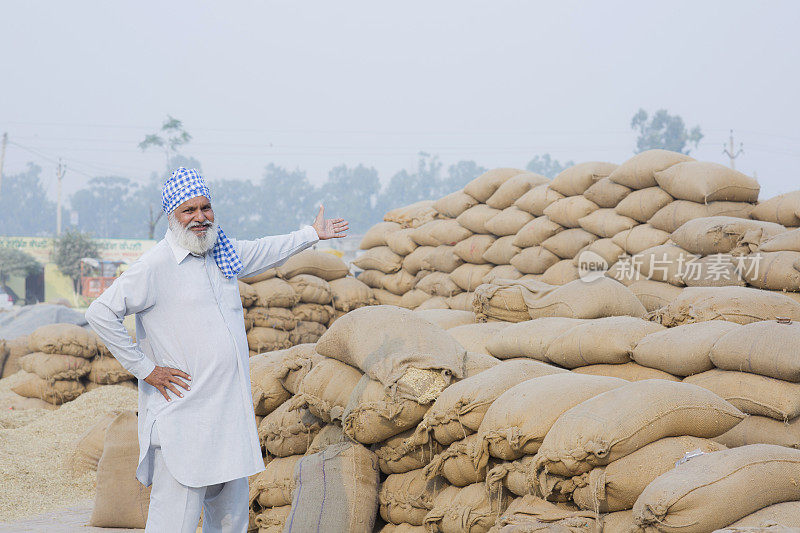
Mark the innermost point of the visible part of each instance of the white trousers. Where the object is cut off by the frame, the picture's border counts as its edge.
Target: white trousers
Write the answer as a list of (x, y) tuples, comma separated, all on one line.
[(176, 508)]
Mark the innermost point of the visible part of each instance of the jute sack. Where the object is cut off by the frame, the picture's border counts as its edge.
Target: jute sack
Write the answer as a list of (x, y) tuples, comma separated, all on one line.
[(511, 475), (606, 223), (442, 259), (434, 302), (619, 422), (438, 232), (276, 482), (268, 339), (266, 371), (626, 371), (742, 305), (617, 486), (568, 211), (530, 338), (762, 430), (536, 200), (454, 204), (475, 218), (321, 264), (721, 235), (469, 276), (654, 294), (718, 270), (54, 392), (511, 428), (447, 318), (638, 172), (349, 293), (673, 215), (682, 350), (247, 294), (561, 273), (475, 363), (120, 500), (751, 393), (464, 510), (606, 193), (641, 205), (666, 263), (534, 260), (55, 366), (536, 232), (502, 272), (772, 270), (459, 409), (767, 348), (413, 215), (16, 348), (531, 513), (500, 302), (515, 187), (261, 276), (336, 490), (108, 371), (640, 238), (501, 251), (609, 340), (384, 297), (471, 249), (308, 312), (508, 221), (326, 389), (782, 209), (66, 339), (376, 235), (307, 332), (566, 244), (89, 447), (286, 432), (606, 249), (379, 258), (402, 528), (485, 185), (272, 519), (311, 289), (400, 242), (398, 454), (474, 337), (788, 241), (330, 434), (272, 317), (705, 493), (416, 260), (413, 299), (398, 283), (774, 516), (579, 299), (275, 292), (703, 182), (406, 498), (574, 180), (457, 465)]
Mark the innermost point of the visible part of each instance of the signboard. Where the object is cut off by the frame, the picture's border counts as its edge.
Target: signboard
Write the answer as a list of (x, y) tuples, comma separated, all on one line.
[(41, 248)]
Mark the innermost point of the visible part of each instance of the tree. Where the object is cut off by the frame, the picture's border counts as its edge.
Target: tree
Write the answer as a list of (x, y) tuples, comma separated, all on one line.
[(459, 175), (237, 207), (69, 249), (664, 131), (547, 166), (285, 200), (106, 206), (15, 262), (406, 188), (352, 193), (25, 209)]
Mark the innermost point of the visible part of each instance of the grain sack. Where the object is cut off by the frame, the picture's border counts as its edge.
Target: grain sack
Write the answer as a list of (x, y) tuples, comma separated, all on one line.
[(561, 273), (640, 238), (673, 215), (247, 294), (307, 332), (266, 369), (782, 209), (275, 292), (454, 204), (384, 297), (654, 294), (108, 371), (312, 313), (779, 514), (412, 216), (398, 283), (530, 338), (438, 284), (501, 300), (537, 199), (379, 258), (336, 490), (296, 362), (268, 339), (438, 232), (120, 501), (515, 187), (641, 205), (502, 272), (475, 218), (442, 259), (413, 299), (468, 276), (624, 272), (311, 289), (485, 185), (511, 475), (286, 431), (55, 366), (376, 235), (400, 242), (474, 337), (638, 172), (276, 482), (512, 428), (720, 234), (705, 493), (326, 389), (261, 276), (66, 339), (434, 302), (767, 348), (416, 260), (272, 317), (475, 363), (569, 210), (508, 221), (626, 371), (406, 498), (54, 392), (459, 409), (771, 270), (273, 519), (536, 232), (566, 244), (605, 249), (574, 180), (464, 510), (321, 264), (606, 193), (788, 241), (534, 260), (456, 464), (349, 293), (533, 514), (472, 248), (751, 393), (703, 182), (762, 430), (617, 486), (619, 422), (606, 223), (667, 263), (501, 251), (579, 299), (402, 528), (718, 270), (609, 340), (399, 454), (682, 350), (89, 447)]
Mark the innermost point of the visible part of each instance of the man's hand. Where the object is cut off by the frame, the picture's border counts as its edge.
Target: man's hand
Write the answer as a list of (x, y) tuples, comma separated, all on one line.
[(332, 228), (163, 377)]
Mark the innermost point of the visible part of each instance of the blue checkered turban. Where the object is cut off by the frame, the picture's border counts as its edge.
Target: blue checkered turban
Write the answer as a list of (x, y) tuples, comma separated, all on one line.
[(185, 184)]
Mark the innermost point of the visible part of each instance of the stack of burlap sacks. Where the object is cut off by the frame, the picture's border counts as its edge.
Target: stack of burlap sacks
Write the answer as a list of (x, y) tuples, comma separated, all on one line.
[(296, 302)]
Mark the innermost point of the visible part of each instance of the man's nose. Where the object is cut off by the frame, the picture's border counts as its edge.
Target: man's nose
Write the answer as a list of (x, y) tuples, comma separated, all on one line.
[(200, 217)]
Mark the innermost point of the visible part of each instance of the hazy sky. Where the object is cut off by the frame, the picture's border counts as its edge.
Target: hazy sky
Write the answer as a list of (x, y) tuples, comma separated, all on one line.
[(318, 83)]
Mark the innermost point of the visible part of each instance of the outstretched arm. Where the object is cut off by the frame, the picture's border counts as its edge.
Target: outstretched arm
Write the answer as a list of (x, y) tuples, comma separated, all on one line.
[(332, 228)]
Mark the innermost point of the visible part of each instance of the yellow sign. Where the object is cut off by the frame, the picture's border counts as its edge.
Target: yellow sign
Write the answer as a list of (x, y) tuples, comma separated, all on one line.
[(41, 248)]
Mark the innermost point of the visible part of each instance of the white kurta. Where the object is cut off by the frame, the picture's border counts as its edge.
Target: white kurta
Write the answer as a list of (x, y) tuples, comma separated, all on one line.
[(189, 317)]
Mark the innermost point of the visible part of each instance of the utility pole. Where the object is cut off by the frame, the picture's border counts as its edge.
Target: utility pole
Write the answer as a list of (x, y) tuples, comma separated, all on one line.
[(728, 150), (60, 171), (2, 158)]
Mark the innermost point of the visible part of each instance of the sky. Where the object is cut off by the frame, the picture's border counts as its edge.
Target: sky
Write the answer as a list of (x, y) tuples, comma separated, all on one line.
[(316, 84)]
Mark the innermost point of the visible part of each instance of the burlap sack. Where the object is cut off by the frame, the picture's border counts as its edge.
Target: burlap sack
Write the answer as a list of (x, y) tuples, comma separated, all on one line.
[(349, 293), (536, 232), (673, 215), (513, 188), (475, 218), (459, 409), (720, 234), (641, 205), (55, 366), (276, 482), (667, 263), (379, 258), (777, 271), (66, 339), (286, 431), (606, 223), (568, 211), (442, 259), (779, 517), (502, 272), (638, 172), (574, 180), (619, 422), (530, 338), (413, 215), (447, 318), (640, 238), (376, 235), (400, 242), (272, 519), (537, 199), (261, 276), (682, 350), (266, 372), (399, 454), (703, 182), (434, 302), (438, 232), (272, 317), (762, 430), (767, 348), (606, 193), (508, 222), (120, 500), (454, 204), (531, 513), (326, 389), (511, 475), (609, 340), (579, 299), (406, 498), (414, 262), (534, 260), (468, 276), (485, 185), (782, 209), (336, 490), (475, 363), (626, 371), (561, 273), (705, 493), (321, 264), (617, 486), (398, 283), (471, 249), (89, 447), (108, 371), (413, 299), (457, 465), (307, 332), (402, 528), (502, 251), (566, 244), (308, 312), (275, 292), (654, 294), (474, 337), (605, 249), (788, 241), (718, 270), (311, 289), (247, 294), (263, 340), (500, 301), (53, 392), (464, 510)]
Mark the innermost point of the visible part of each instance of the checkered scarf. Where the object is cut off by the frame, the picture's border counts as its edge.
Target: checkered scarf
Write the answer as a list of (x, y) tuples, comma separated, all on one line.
[(185, 184)]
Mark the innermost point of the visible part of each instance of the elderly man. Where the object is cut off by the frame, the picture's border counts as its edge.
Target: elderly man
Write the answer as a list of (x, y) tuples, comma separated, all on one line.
[(197, 433)]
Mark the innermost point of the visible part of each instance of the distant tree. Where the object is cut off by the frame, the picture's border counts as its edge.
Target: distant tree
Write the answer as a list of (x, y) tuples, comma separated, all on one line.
[(352, 193), (15, 262), (664, 131), (68, 250), (460, 174), (107, 207), (406, 187), (547, 166), (285, 200), (237, 207), (25, 209)]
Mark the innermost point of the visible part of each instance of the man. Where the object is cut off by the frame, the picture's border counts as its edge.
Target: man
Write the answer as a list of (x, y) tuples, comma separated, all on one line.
[(197, 434)]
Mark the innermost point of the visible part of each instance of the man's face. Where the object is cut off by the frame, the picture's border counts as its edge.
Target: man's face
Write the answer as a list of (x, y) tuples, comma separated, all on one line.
[(196, 214)]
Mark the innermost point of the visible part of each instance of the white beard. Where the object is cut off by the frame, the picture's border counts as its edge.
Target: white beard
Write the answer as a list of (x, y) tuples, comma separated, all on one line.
[(188, 239)]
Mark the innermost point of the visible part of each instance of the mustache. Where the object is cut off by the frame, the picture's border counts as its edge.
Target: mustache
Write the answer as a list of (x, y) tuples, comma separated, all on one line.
[(196, 224)]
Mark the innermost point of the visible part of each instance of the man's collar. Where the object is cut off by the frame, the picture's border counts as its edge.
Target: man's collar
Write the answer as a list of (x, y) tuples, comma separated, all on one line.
[(178, 251)]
